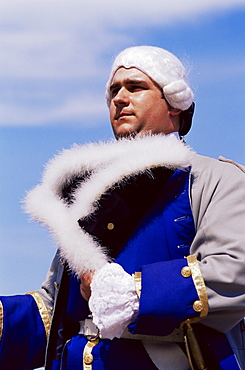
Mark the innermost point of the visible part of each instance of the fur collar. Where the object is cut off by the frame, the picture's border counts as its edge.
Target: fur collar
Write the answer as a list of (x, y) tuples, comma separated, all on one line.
[(108, 163)]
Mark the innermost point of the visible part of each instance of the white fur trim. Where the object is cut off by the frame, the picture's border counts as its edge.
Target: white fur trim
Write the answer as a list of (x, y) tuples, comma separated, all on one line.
[(111, 163)]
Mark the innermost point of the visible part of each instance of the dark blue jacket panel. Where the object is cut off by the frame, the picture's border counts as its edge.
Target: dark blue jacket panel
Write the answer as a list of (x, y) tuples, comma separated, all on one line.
[(118, 354), (23, 342)]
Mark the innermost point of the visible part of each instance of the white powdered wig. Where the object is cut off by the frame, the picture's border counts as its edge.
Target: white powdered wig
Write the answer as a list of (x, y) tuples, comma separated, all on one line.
[(109, 163), (162, 67)]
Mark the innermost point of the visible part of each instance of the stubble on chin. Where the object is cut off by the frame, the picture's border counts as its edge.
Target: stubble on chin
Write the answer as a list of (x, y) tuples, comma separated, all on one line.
[(126, 135)]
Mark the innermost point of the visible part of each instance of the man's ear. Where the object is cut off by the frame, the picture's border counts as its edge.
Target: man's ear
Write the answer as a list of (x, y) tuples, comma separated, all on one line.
[(174, 111)]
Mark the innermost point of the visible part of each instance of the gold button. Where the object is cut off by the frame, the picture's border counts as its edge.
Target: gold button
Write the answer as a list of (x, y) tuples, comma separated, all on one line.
[(198, 306), (88, 359), (62, 262), (56, 285), (186, 271), (110, 226)]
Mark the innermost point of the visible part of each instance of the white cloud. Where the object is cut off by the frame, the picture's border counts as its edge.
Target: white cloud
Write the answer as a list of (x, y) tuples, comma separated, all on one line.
[(42, 39), (80, 108), (67, 41), (96, 13)]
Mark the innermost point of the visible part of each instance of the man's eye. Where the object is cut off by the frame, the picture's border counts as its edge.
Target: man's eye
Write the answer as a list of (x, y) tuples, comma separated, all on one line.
[(136, 88), (114, 92)]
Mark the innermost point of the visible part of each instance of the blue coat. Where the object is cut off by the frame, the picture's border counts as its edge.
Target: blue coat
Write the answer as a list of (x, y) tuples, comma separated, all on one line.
[(156, 242)]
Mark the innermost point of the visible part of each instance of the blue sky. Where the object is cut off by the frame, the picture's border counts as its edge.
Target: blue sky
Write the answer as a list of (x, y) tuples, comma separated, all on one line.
[(55, 58)]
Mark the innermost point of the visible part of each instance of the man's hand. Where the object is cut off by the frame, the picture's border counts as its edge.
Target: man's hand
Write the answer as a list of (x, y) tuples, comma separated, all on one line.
[(85, 289)]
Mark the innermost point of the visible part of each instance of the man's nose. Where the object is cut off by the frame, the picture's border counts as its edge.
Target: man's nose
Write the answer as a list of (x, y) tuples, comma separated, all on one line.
[(122, 97)]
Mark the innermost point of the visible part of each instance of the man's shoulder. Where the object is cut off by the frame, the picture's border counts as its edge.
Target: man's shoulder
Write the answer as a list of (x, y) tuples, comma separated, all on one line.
[(231, 161), (212, 170), (221, 164)]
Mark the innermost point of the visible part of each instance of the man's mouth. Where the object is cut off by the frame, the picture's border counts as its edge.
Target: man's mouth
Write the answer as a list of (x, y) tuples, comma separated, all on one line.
[(122, 115)]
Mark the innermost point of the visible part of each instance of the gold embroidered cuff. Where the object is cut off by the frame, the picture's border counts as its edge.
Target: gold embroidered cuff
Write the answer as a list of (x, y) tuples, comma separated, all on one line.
[(200, 305), (137, 282), (43, 311), (1, 320)]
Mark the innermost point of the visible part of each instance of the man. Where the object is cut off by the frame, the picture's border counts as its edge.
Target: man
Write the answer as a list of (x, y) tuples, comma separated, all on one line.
[(149, 272)]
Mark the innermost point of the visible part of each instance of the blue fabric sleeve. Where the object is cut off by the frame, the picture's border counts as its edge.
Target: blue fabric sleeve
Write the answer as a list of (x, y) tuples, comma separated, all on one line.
[(23, 341), (166, 298)]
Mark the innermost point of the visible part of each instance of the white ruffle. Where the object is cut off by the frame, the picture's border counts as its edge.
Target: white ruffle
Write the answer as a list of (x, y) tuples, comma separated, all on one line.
[(114, 302)]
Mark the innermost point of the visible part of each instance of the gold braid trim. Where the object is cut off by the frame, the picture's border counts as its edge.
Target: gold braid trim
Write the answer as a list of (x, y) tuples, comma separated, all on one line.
[(137, 282), (87, 353), (1, 320), (43, 311), (201, 305), (193, 349)]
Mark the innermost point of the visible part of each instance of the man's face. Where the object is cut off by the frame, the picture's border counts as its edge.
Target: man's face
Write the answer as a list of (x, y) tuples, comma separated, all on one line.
[(137, 106)]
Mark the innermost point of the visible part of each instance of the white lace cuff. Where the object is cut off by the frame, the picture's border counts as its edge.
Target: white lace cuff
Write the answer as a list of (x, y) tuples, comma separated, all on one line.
[(114, 302)]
